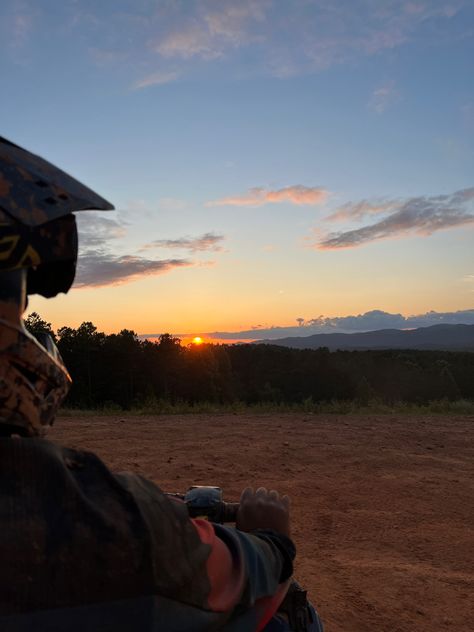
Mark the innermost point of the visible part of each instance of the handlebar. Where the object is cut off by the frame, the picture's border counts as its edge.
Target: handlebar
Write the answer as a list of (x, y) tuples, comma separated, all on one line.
[(221, 512), (206, 502)]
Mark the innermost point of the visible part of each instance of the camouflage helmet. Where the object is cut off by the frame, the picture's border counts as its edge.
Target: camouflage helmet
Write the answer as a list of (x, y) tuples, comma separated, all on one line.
[(37, 229), (38, 252)]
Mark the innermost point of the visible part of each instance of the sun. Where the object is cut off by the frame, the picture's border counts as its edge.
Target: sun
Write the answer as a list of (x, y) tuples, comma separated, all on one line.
[(197, 340)]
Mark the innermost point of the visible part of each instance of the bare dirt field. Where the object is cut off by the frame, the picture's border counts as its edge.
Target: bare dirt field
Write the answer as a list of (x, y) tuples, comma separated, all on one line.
[(382, 506)]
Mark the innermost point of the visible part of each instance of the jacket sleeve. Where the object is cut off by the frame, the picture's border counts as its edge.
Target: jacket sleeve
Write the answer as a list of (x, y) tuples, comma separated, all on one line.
[(248, 572), (214, 567)]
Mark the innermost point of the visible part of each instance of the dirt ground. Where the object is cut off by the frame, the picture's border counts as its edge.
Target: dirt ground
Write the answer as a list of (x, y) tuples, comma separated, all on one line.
[(382, 506)]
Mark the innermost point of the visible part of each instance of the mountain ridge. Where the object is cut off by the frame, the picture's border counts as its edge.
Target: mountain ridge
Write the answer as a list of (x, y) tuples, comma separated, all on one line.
[(435, 337)]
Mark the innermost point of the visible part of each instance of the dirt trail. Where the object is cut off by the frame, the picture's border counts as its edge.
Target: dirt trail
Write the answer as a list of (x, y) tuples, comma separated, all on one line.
[(382, 506)]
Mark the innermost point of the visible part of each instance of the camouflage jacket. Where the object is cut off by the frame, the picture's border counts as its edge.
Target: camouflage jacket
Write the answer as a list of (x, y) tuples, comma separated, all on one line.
[(82, 548)]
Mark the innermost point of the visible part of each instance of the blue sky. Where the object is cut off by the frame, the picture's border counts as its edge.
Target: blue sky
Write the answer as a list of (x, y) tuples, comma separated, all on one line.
[(268, 160)]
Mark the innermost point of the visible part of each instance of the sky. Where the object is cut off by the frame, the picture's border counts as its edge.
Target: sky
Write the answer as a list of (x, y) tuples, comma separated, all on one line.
[(304, 165)]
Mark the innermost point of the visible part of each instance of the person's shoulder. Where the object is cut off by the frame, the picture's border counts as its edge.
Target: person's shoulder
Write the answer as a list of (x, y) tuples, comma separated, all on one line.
[(32, 450), (32, 455), (71, 458)]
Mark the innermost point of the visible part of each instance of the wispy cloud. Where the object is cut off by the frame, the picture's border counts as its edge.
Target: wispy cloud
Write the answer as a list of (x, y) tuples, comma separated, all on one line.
[(415, 216), (230, 19), (22, 27), (383, 97), (213, 30), (379, 319), (433, 9), (194, 40), (155, 79), (99, 268), (358, 210), (99, 265), (18, 21), (206, 242), (301, 36), (95, 229), (296, 194), (282, 39)]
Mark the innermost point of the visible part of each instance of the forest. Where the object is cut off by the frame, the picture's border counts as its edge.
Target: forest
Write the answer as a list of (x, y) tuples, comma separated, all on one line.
[(121, 370)]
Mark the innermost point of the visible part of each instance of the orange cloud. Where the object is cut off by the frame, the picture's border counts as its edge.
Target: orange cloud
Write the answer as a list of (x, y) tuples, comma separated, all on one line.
[(194, 40), (211, 32), (296, 194)]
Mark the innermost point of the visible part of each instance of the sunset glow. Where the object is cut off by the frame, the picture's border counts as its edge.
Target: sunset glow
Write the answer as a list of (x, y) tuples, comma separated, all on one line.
[(197, 340)]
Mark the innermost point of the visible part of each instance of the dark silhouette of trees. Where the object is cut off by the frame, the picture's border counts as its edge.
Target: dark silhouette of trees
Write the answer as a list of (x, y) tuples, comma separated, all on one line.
[(124, 371), (81, 351), (36, 325)]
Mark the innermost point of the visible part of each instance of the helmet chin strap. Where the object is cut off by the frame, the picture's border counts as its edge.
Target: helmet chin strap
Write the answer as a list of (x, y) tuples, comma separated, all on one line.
[(13, 299)]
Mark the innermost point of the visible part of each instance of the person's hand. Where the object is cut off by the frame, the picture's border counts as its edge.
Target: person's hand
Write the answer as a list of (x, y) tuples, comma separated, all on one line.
[(264, 510)]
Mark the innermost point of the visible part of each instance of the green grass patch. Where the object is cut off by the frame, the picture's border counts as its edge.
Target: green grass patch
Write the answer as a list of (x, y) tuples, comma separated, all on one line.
[(163, 407)]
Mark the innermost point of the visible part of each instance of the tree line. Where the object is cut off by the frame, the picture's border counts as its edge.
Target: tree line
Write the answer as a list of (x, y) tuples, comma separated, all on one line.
[(123, 370)]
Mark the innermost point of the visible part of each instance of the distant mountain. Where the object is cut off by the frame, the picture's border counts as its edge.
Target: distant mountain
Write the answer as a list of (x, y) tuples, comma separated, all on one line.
[(442, 337)]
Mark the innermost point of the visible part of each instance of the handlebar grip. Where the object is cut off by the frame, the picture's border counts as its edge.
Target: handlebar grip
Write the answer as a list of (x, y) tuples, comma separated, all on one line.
[(229, 512)]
